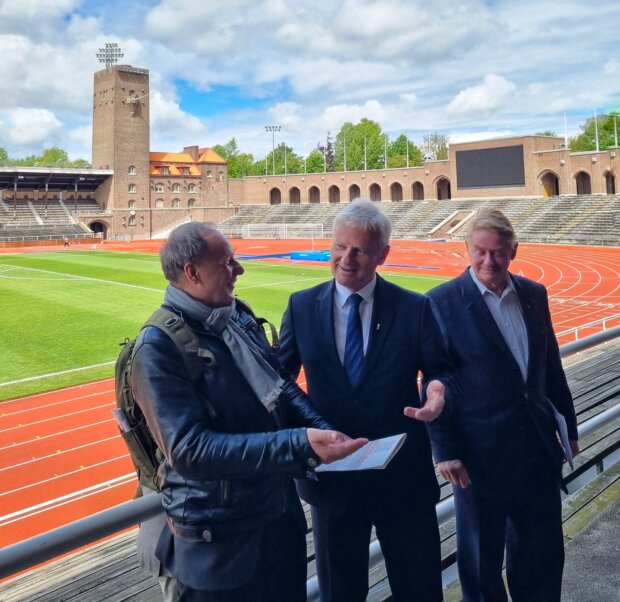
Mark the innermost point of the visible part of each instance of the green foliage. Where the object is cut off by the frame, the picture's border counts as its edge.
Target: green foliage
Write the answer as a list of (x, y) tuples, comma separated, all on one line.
[(608, 125), (397, 153), (286, 161), (51, 157), (315, 163), (90, 301), (436, 147), (545, 133), (239, 164), (365, 146)]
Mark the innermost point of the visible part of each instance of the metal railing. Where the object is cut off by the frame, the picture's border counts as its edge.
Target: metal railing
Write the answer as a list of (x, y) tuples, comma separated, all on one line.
[(44, 547)]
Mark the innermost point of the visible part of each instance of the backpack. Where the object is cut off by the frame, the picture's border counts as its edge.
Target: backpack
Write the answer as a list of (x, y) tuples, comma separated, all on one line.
[(145, 454)]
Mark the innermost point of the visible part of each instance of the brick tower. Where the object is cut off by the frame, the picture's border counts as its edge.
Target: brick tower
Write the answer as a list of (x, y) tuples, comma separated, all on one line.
[(121, 143)]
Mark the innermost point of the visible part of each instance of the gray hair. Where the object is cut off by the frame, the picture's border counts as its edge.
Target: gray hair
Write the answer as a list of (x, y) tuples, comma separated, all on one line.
[(185, 243), (495, 220), (364, 215)]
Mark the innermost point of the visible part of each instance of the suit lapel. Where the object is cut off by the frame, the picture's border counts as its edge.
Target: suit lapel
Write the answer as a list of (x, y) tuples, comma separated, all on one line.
[(530, 317), (324, 319), (383, 314)]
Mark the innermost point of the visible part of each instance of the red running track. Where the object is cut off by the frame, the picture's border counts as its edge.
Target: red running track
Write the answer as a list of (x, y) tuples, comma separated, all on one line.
[(61, 457)]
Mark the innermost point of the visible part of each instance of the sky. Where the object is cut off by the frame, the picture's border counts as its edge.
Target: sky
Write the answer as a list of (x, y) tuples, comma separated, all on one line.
[(469, 69)]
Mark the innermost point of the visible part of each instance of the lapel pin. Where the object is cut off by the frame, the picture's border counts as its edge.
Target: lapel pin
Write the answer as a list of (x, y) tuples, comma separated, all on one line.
[(378, 325)]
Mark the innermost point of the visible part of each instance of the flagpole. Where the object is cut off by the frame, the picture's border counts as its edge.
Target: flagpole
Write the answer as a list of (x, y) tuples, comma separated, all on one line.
[(596, 130)]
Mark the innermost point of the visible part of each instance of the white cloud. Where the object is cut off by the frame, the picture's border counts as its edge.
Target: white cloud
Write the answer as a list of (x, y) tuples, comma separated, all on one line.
[(29, 127), (488, 97), (170, 123), (611, 68)]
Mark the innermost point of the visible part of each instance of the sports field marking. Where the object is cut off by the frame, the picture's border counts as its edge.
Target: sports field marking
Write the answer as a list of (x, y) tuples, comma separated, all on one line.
[(45, 406), (52, 374), (144, 288), (59, 501), (59, 454), (54, 418), (280, 283), (67, 474), (58, 433)]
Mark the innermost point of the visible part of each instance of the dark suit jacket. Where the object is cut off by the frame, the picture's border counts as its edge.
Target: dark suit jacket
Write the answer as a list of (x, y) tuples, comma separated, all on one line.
[(501, 426), (404, 339)]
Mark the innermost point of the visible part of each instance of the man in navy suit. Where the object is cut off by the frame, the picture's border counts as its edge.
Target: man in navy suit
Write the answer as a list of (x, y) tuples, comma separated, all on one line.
[(500, 449), (363, 386)]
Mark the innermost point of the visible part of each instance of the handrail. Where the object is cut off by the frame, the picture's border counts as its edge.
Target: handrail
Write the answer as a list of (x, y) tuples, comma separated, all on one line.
[(35, 550)]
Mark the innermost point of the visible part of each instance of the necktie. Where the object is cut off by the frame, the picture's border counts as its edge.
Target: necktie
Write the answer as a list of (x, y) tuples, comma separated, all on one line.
[(354, 343)]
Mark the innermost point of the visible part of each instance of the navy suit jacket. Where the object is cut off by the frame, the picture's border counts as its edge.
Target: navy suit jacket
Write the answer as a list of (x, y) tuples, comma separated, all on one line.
[(404, 339), (501, 427)]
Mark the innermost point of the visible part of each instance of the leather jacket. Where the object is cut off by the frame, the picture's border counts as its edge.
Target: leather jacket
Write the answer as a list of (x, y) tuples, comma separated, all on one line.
[(228, 463)]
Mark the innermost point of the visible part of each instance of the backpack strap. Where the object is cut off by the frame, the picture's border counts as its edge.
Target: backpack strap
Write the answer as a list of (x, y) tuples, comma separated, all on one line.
[(275, 337), (194, 357)]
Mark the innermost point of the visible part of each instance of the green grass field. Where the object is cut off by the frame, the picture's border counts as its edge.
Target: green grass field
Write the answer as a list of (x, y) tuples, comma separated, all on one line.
[(63, 315)]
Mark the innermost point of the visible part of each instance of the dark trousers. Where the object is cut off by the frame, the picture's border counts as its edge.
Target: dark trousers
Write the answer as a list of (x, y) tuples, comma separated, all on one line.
[(528, 525), (409, 542), (280, 575)]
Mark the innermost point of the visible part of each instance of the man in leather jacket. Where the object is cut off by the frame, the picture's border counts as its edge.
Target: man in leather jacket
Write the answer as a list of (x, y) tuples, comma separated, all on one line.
[(235, 529)]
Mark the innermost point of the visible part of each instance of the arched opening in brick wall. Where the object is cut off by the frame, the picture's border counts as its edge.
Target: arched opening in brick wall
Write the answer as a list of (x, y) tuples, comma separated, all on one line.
[(444, 191), (334, 194), (375, 192), (610, 183), (314, 195), (294, 196), (354, 192), (583, 183), (396, 192), (417, 191), (550, 184), (275, 196)]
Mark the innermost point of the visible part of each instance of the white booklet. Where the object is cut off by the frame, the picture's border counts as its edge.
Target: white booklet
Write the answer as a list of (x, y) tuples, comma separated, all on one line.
[(375, 455), (563, 433)]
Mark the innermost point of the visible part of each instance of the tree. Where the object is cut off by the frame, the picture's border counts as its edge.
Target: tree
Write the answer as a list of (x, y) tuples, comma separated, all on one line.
[(4, 156), (315, 161), (328, 151), (397, 153), (607, 126), (239, 164), (436, 147), (55, 157), (545, 133), (363, 144)]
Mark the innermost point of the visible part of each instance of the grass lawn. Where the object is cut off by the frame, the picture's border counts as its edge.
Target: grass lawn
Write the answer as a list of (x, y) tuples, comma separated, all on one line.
[(62, 315)]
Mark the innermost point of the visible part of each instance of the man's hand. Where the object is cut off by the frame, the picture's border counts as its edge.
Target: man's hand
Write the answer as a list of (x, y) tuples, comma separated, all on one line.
[(574, 446), (434, 403), (455, 472), (333, 445)]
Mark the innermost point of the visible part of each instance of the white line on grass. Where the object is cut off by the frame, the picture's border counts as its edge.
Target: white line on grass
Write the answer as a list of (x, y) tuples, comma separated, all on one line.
[(52, 374), (144, 288)]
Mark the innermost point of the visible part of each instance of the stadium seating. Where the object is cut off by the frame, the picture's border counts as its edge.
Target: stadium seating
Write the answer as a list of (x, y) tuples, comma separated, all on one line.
[(581, 219)]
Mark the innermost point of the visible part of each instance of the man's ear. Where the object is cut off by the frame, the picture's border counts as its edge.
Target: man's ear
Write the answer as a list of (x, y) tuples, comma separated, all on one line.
[(189, 269), (384, 255), (514, 251)]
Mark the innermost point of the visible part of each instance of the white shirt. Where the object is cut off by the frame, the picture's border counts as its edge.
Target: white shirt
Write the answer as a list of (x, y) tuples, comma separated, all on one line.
[(506, 311), (341, 313)]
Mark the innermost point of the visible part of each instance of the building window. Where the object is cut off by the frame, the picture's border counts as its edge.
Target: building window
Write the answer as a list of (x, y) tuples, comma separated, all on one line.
[(209, 174), (191, 188), (132, 189), (191, 203), (159, 203), (159, 187), (220, 176), (132, 220), (164, 170), (132, 170), (176, 202), (185, 171), (176, 188), (131, 204)]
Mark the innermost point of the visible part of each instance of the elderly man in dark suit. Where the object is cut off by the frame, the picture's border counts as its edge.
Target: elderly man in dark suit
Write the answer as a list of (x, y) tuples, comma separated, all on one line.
[(362, 342), (499, 448)]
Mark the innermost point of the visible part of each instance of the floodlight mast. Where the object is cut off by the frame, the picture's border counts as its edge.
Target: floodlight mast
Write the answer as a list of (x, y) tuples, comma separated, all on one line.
[(110, 54)]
